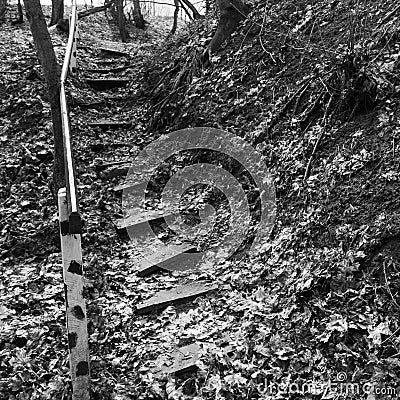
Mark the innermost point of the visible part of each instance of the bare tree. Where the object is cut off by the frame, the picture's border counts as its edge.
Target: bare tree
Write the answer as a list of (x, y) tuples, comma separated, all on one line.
[(57, 11), (186, 10), (121, 20), (51, 69), (63, 24), (192, 8), (137, 15), (176, 14)]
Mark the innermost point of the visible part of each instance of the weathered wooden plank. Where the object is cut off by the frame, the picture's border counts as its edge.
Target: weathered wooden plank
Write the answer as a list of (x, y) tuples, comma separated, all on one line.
[(112, 51), (107, 61), (108, 70), (130, 188), (170, 258), (134, 222), (86, 106), (182, 360), (110, 164), (106, 84), (76, 319), (121, 170), (109, 124), (176, 295)]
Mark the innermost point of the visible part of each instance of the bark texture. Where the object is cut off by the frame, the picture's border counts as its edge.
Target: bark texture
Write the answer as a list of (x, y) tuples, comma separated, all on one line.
[(57, 11), (51, 70), (121, 21), (137, 15)]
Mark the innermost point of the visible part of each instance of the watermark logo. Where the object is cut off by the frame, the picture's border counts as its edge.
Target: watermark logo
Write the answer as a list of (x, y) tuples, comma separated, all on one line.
[(250, 175), (340, 387)]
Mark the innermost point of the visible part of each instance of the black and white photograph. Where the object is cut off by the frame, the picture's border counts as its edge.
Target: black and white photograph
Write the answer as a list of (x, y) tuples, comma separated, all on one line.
[(199, 200)]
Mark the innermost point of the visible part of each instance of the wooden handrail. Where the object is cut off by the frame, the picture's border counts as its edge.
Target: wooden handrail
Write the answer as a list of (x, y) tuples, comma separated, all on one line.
[(71, 37), (70, 235), (72, 200)]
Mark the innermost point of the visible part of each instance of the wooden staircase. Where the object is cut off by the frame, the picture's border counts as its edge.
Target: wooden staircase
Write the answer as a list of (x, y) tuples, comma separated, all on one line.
[(172, 258)]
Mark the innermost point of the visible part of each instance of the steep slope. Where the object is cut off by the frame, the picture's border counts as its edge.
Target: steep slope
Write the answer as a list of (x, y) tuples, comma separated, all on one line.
[(316, 85)]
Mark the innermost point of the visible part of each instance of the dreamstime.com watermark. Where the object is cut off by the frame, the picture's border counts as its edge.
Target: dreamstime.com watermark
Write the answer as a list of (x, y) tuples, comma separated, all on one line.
[(221, 144), (341, 386)]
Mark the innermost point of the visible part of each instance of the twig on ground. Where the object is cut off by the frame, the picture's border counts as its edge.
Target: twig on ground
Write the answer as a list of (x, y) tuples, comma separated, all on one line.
[(324, 119), (388, 288), (389, 15), (301, 95)]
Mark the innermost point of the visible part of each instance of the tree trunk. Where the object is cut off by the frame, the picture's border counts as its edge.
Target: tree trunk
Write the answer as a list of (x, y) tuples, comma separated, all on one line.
[(196, 14), (51, 69), (176, 14), (121, 21), (57, 11), (3, 9), (137, 15), (231, 13)]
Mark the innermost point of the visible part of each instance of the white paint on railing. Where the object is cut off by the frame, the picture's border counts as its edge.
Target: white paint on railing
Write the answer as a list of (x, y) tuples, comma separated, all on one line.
[(76, 318), (64, 113)]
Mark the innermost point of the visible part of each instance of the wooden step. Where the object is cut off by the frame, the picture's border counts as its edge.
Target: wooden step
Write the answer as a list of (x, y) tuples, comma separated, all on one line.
[(107, 62), (130, 188), (107, 84), (87, 106), (171, 258), (118, 171), (179, 361), (137, 222), (114, 52), (110, 164), (110, 70), (109, 124), (176, 295), (185, 359)]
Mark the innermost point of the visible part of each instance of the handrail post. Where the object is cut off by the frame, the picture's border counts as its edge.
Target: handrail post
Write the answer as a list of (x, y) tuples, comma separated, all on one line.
[(76, 318), (70, 233)]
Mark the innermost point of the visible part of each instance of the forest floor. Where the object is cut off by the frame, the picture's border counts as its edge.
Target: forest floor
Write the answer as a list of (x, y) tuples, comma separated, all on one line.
[(320, 85)]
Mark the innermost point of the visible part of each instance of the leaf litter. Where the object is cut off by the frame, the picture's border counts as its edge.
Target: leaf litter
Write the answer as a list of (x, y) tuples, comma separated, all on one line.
[(320, 300)]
